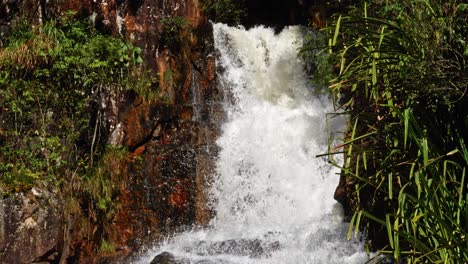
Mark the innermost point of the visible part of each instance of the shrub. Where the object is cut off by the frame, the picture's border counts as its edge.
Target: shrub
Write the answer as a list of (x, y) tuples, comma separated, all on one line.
[(51, 76), (231, 12), (173, 31), (401, 74)]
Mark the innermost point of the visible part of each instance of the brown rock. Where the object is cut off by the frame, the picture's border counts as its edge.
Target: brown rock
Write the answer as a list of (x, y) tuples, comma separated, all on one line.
[(161, 187)]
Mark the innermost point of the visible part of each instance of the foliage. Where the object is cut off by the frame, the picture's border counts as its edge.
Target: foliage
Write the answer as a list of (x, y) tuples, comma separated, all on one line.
[(422, 192), (106, 247), (317, 61), (100, 182), (400, 70), (231, 12), (35, 158), (51, 76), (173, 31), (428, 58), (147, 86)]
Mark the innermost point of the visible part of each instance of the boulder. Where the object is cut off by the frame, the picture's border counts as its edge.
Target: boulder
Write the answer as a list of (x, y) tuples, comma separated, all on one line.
[(164, 258)]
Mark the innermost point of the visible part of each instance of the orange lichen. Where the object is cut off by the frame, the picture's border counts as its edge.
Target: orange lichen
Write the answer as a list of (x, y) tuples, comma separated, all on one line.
[(138, 151), (179, 197)]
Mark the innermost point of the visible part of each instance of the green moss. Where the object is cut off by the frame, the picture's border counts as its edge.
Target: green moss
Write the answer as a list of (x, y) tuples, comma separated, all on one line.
[(106, 247)]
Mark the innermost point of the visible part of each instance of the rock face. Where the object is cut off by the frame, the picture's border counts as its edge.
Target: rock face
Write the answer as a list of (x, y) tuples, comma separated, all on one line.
[(162, 183), (171, 143), (31, 227)]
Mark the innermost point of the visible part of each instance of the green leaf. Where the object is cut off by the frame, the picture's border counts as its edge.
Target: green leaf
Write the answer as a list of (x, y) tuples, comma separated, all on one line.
[(337, 31), (389, 230), (350, 227)]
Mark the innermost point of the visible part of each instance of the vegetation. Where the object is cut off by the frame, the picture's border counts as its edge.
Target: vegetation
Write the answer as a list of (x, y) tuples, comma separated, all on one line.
[(55, 80), (101, 181), (107, 247), (172, 31), (231, 12), (51, 79), (400, 72)]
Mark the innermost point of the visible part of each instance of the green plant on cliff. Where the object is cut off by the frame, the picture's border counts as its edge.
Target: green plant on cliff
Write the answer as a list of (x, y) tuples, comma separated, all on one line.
[(100, 194), (51, 76), (174, 31), (400, 71), (147, 86), (416, 194), (315, 55), (106, 247), (231, 12), (100, 182)]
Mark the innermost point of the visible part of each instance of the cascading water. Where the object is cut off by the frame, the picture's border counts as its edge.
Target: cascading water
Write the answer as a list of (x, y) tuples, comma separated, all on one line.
[(273, 199)]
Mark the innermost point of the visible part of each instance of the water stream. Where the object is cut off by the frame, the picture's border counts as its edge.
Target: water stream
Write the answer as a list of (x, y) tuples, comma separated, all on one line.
[(273, 199)]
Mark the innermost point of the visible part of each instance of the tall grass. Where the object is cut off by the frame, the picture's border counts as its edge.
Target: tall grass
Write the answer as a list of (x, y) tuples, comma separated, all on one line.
[(400, 71), (424, 197)]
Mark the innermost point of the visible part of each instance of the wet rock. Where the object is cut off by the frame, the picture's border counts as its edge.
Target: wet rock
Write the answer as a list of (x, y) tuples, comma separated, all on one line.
[(31, 226), (162, 185), (205, 168), (205, 261), (178, 163), (343, 194), (164, 258), (254, 248), (168, 258)]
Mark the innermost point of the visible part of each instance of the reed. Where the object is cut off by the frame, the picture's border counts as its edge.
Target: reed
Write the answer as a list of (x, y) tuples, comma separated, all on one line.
[(400, 72)]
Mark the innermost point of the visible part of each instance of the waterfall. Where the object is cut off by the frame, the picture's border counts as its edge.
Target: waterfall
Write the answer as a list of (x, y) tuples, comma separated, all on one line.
[(273, 199)]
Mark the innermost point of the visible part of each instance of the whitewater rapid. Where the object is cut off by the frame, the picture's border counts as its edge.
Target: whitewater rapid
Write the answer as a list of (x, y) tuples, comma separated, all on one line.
[(272, 198)]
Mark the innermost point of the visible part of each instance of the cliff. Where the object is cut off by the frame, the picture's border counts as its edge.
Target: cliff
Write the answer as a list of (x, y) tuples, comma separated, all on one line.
[(169, 144)]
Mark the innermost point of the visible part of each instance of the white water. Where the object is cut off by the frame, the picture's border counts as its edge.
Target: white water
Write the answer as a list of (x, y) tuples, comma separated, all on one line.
[(269, 186)]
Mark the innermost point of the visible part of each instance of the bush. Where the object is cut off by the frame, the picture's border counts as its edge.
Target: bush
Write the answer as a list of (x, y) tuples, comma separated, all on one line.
[(401, 73), (231, 12), (51, 76), (172, 31)]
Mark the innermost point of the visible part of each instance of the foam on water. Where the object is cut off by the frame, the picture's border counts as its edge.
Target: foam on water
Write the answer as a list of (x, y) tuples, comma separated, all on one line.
[(270, 192)]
